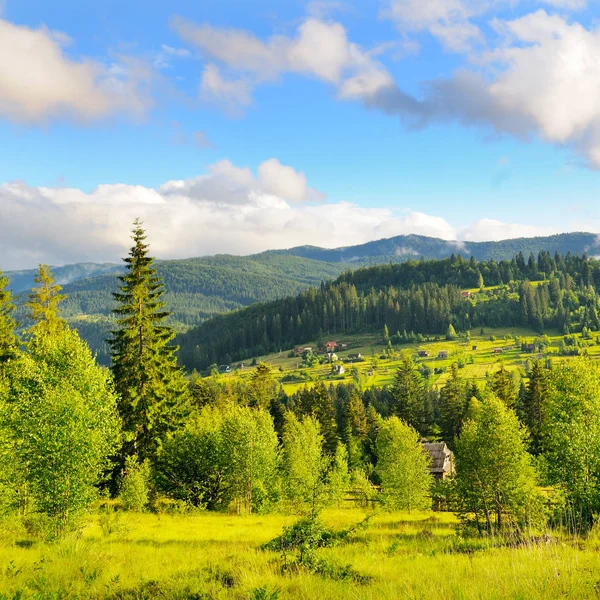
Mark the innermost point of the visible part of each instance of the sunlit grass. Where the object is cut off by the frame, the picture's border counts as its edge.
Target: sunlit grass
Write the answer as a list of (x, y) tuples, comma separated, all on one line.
[(207, 555)]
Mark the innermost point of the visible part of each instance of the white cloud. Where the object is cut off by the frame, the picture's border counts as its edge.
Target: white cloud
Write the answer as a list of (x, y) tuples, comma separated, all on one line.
[(320, 49), (447, 20), (452, 21), (38, 81), (285, 182), (543, 80), (551, 75), (490, 229), (229, 209), (177, 52), (230, 94)]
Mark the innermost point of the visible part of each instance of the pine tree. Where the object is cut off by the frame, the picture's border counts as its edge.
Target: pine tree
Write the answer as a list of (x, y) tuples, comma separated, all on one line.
[(151, 386), (502, 384), (43, 304), (534, 400), (8, 339), (408, 393), (453, 404)]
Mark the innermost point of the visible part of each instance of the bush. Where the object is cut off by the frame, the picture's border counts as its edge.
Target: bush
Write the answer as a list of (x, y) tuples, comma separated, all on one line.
[(134, 492)]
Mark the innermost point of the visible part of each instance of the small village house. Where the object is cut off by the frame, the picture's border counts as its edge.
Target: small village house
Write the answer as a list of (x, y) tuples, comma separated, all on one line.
[(423, 353), (443, 354), (442, 460)]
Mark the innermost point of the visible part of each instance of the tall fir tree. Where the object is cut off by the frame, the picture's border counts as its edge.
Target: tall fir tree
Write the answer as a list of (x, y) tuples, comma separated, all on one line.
[(408, 393), (453, 405), (534, 405), (153, 392), (8, 339)]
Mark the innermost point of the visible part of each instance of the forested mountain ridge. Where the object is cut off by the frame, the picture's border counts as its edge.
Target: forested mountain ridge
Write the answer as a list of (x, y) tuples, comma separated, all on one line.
[(396, 249), (405, 247), (422, 297)]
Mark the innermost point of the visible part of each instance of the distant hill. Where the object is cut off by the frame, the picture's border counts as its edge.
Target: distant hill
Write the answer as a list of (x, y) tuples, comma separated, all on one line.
[(197, 289), (404, 247), (21, 281)]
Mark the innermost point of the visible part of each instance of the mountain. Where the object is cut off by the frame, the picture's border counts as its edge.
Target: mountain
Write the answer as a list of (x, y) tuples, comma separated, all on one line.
[(404, 247)]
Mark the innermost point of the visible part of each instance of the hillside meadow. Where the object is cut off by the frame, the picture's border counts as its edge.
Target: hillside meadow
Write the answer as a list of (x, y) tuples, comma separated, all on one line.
[(376, 371), (216, 556)]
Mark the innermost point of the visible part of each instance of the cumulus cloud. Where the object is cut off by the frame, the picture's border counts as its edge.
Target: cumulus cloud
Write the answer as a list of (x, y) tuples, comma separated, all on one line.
[(39, 81), (229, 209), (542, 81), (320, 49)]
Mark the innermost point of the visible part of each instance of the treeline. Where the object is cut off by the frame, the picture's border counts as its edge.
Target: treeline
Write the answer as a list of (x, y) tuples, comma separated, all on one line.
[(421, 297)]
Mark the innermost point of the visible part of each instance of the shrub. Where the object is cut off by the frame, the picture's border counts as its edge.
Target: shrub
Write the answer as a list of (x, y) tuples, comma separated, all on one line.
[(134, 492)]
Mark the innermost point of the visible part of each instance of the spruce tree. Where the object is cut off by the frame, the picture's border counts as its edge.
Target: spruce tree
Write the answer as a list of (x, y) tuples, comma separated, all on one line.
[(8, 339), (151, 386), (408, 393)]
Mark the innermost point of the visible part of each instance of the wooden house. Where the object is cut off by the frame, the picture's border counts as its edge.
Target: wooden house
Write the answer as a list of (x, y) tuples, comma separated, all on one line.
[(442, 460), (443, 354), (423, 353), (498, 350)]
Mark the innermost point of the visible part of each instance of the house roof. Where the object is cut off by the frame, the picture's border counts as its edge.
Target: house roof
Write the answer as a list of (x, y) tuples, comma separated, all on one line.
[(440, 453)]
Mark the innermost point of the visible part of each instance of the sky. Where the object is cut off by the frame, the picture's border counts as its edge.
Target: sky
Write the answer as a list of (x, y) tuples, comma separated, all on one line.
[(236, 127)]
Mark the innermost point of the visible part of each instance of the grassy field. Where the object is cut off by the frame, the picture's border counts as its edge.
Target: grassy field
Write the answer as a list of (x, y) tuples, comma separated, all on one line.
[(214, 556), (376, 371)]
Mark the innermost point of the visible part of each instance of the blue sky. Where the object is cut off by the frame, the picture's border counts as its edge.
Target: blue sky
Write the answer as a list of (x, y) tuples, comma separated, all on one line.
[(232, 128)]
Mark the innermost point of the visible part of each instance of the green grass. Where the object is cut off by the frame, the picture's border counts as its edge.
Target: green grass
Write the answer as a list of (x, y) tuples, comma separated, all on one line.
[(208, 556), (476, 362)]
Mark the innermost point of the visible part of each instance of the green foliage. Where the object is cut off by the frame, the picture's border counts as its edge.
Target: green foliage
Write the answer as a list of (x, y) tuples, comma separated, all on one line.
[(338, 478), (222, 456), (571, 438), (402, 466), (59, 422), (303, 465), (134, 492), (8, 339), (43, 304), (152, 389), (453, 404), (495, 478), (408, 393)]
